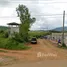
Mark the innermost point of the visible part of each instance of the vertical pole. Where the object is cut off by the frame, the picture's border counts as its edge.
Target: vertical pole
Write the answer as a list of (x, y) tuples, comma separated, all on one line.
[(47, 26), (63, 27)]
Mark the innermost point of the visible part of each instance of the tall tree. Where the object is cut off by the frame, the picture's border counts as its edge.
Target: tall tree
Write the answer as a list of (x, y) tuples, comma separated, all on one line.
[(26, 20)]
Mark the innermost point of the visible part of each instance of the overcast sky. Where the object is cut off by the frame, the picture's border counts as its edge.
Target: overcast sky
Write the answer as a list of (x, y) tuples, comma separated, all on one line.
[(48, 13)]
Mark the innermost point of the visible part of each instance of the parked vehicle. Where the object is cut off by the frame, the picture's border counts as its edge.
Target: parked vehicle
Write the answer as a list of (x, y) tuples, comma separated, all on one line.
[(34, 40), (45, 37)]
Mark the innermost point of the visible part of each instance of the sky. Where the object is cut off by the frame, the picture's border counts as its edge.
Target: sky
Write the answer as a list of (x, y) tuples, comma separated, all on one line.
[(48, 13)]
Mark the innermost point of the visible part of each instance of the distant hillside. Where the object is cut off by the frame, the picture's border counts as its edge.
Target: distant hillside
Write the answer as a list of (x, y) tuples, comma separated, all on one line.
[(60, 29), (3, 28)]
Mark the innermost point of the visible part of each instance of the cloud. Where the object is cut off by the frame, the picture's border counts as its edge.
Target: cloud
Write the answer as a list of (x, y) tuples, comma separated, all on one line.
[(8, 20), (4, 2), (40, 9), (8, 12)]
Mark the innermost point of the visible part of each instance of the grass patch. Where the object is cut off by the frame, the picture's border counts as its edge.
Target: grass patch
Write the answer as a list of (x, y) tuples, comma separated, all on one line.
[(3, 42), (17, 47), (12, 43), (3, 51), (38, 34)]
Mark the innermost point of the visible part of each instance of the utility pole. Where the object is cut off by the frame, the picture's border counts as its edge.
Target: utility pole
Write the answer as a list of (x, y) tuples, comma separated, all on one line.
[(63, 27), (47, 26)]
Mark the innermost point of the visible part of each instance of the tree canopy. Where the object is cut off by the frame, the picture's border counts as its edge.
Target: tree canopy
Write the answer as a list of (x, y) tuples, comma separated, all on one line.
[(25, 19)]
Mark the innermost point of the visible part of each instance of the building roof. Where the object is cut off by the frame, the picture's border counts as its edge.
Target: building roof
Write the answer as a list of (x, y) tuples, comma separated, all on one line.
[(13, 23)]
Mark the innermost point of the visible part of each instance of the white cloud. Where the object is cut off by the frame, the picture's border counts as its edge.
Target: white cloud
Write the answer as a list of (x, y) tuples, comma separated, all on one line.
[(7, 12), (38, 9), (8, 20)]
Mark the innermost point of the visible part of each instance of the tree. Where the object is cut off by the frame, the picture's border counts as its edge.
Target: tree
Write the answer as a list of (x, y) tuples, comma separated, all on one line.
[(26, 20)]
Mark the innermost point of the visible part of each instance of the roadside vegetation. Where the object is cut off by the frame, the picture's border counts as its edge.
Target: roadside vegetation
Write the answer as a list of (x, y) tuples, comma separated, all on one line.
[(38, 34), (18, 40), (11, 43)]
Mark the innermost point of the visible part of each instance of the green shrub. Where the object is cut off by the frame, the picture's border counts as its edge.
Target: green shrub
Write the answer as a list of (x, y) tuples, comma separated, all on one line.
[(20, 38), (38, 34), (3, 42), (11, 44), (1, 31), (1, 45), (15, 45), (22, 46), (17, 37), (6, 35), (63, 45)]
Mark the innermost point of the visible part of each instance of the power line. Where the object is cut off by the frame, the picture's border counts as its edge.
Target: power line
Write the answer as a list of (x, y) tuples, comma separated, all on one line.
[(49, 15), (38, 1), (45, 15), (45, 2)]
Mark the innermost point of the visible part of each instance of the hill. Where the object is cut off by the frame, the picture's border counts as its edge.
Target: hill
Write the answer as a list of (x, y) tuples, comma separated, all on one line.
[(60, 29), (3, 28)]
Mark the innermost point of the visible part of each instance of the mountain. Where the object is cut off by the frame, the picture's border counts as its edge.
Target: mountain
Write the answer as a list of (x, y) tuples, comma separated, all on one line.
[(60, 29), (3, 27)]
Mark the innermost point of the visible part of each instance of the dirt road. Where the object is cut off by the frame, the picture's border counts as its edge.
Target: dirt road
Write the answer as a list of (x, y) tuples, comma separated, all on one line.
[(47, 63), (43, 50)]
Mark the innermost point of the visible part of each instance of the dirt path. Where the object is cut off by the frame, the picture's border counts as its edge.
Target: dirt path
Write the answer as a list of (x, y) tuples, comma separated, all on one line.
[(44, 50), (46, 63), (49, 47)]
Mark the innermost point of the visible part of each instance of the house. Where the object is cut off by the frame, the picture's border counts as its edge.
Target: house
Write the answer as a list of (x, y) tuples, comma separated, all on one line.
[(13, 27), (57, 36)]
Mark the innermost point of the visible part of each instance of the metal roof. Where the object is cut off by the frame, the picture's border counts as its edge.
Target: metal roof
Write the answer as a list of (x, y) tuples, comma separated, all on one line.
[(13, 23)]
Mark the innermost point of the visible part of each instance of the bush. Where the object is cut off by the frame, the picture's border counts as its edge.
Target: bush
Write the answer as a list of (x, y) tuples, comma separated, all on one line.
[(6, 35), (63, 45), (38, 34), (3, 42), (2, 45), (20, 38), (15, 45), (1, 31), (11, 44), (22, 46), (17, 37)]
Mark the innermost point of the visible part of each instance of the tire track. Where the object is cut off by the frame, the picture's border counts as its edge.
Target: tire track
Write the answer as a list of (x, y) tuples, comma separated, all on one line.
[(50, 48)]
